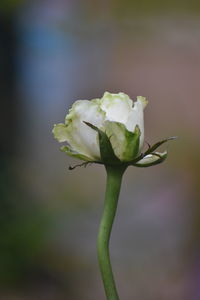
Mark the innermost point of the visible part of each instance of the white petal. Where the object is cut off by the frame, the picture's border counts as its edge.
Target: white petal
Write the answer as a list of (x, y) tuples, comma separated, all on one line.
[(136, 117), (82, 138), (60, 132), (116, 106)]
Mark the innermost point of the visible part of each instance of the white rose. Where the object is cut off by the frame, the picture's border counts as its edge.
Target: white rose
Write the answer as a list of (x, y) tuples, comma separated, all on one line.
[(106, 129)]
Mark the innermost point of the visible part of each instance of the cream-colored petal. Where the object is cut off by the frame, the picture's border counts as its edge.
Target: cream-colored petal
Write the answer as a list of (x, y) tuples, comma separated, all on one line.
[(136, 117), (60, 132), (116, 106), (81, 138)]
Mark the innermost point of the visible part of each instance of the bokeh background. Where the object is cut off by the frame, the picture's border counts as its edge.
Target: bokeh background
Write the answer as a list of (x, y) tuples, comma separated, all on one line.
[(51, 54)]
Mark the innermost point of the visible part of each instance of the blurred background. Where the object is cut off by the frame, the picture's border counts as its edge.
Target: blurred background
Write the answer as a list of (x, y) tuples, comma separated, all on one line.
[(51, 54)]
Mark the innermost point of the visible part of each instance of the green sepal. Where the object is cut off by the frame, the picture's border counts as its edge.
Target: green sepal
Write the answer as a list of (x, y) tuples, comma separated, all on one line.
[(129, 142), (72, 153), (158, 144), (107, 153), (151, 161), (133, 142)]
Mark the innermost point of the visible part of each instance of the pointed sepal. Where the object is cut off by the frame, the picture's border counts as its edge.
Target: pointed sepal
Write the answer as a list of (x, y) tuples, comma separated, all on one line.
[(158, 144), (107, 153), (152, 159), (124, 142)]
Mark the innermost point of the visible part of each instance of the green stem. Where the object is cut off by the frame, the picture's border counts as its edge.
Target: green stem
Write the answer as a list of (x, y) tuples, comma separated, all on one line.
[(113, 184)]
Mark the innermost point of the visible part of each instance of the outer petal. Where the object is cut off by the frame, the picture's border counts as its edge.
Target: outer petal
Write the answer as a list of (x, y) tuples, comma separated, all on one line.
[(136, 117), (80, 137), (116, 106), (124, 143), (152, 159), (60, 132)]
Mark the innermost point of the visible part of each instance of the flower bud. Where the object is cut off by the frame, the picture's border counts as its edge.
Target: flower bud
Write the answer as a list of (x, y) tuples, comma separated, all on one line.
[(109, 130)]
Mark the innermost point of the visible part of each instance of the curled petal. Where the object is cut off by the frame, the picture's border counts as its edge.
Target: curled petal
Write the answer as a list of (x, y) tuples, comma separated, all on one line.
[(60, 132), (136, 117), (116, 106)]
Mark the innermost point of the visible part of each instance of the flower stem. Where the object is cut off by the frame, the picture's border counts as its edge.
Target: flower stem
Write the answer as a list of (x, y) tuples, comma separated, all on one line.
[(113, 184)]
